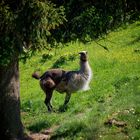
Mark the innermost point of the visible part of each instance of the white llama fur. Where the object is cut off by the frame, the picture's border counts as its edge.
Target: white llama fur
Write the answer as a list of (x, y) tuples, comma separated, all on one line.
[(89, 77)]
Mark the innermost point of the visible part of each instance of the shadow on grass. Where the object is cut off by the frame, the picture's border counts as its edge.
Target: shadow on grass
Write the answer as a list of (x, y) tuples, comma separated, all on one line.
[(37, 127), (62, 60), (59, 62), (69, 130), (136, 40), (46, 57)]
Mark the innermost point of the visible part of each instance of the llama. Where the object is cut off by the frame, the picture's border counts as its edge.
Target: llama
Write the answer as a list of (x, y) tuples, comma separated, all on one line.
[(65, 81)]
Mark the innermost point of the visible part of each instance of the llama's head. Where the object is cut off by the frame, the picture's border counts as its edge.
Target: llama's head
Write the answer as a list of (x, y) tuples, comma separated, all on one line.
[(83, 55)]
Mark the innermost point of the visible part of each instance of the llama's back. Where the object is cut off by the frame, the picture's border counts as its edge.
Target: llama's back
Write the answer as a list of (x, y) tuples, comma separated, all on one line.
[(72, 82)]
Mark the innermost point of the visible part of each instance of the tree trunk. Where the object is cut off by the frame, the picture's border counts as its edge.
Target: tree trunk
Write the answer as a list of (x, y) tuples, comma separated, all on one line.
[(10, 121)]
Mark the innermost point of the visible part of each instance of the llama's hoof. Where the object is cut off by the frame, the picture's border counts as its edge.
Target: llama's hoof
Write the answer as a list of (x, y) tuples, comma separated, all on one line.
[(62, 108), (49, 111), (52, 110)]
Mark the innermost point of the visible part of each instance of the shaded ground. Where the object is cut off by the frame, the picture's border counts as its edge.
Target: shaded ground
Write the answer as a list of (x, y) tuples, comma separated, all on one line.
[(45, 135)]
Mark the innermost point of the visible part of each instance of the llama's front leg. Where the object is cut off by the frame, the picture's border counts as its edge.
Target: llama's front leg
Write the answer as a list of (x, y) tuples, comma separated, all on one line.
[(48, 99), (67, 99)]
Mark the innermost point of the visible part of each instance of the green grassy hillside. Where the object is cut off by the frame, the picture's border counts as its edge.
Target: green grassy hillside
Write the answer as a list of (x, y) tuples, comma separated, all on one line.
[(109, 110)]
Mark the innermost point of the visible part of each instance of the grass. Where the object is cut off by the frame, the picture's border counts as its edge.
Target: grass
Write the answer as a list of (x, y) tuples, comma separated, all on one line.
[(114, 93)]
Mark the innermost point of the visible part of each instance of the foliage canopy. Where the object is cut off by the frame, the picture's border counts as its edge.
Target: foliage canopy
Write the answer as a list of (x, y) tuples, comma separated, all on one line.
[(35, 24), (27, 26)]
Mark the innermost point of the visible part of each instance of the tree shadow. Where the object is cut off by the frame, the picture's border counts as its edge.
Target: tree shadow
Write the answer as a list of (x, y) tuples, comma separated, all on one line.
[(62, 60), (45, 57), (59, 62), (38, 126), (137, 39)]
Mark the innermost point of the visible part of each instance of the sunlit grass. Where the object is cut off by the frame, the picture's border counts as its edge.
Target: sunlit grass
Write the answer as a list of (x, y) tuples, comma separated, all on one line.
[(115, 89)]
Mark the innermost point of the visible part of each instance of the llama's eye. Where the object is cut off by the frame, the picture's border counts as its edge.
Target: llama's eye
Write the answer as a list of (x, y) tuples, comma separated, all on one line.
[(53, 74)]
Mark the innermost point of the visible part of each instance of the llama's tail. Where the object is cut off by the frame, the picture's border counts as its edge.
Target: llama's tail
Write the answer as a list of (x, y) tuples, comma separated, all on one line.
[(35, 75)]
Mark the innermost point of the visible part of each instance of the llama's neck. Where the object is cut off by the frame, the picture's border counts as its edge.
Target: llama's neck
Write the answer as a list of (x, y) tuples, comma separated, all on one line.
[(86, 72), (85, 68)]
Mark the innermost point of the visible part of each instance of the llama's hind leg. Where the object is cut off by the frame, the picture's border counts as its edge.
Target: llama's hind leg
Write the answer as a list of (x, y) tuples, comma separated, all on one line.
[(48, 99)]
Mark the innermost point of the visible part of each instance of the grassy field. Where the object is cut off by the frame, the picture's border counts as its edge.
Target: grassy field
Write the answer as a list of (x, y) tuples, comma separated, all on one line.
[(109, 110)]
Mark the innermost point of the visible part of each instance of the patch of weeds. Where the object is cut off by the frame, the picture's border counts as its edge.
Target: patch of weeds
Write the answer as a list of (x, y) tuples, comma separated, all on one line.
[(26, 106), (124, 81), (136, 86), (93, 129), (136, 40), (99, 98), (137, 110), (69, 129), (38, 126), (121, 82), (137, 51)]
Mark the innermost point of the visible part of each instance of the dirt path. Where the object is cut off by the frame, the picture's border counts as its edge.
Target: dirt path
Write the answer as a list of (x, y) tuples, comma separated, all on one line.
[(44, 135)]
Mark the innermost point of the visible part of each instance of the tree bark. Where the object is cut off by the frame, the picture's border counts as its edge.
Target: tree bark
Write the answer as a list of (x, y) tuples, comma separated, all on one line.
[(10, 121)]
